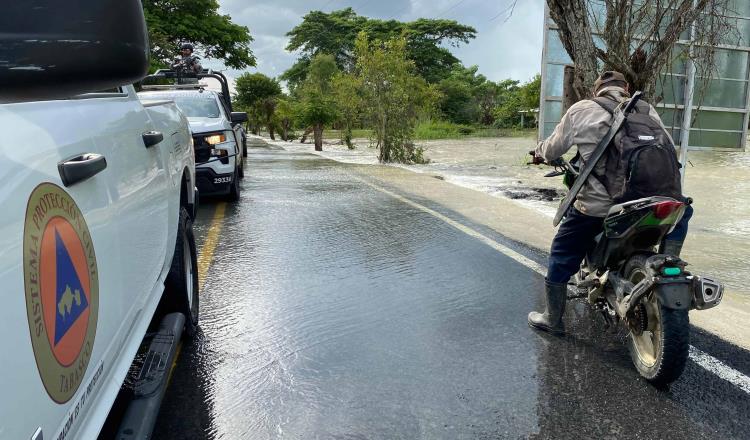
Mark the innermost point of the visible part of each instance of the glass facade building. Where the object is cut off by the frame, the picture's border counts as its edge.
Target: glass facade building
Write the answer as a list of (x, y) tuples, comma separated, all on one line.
[(721, 103)]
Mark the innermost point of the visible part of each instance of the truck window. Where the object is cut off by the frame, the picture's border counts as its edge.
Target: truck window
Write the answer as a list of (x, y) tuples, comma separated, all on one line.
[(197, 107)]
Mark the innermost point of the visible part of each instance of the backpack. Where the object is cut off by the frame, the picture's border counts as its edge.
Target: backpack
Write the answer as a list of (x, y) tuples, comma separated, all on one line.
[(641, 160)]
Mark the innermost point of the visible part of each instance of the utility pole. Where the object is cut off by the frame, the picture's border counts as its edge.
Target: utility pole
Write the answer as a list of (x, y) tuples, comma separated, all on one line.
[(687, 114)]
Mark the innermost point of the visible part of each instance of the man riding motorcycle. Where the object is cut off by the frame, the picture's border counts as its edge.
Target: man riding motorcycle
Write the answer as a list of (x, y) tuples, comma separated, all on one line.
[(584, 125)]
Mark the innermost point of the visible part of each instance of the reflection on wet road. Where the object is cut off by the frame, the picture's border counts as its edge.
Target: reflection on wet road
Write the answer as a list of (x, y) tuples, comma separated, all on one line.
[(333, 310)]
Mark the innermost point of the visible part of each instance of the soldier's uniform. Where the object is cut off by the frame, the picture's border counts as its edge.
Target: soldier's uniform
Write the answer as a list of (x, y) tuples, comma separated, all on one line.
[(188, 65)]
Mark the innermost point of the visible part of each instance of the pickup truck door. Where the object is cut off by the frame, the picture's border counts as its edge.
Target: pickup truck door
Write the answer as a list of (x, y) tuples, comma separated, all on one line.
[(59, 267), (139, 188)]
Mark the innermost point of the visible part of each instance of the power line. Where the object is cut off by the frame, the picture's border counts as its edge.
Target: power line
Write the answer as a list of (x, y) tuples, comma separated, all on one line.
[(508, 11), (459, 3)]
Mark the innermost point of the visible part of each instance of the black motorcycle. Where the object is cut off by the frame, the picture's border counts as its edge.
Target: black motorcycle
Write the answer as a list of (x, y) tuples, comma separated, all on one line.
[(629, 283)]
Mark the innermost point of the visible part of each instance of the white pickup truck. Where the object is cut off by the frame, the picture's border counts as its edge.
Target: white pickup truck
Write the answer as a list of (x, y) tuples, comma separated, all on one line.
[(97, 196)]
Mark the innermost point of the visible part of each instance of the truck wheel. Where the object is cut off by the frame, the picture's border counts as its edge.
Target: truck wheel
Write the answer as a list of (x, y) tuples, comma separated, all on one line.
[(234, 190), (242, 169), (181, 286), (244, 147), (660, 346)]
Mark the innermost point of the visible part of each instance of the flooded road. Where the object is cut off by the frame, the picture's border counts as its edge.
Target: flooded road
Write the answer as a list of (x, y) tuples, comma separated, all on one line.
[(334, 310), (719, 183)]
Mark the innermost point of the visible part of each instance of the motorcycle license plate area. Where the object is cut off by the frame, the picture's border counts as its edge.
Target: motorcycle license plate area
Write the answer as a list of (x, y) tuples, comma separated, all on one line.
[(674, 294)]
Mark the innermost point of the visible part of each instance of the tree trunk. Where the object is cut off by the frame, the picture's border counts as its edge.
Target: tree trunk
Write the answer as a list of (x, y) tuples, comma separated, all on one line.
[(284, 131), (270, 132), (318, 133), (305, 134), (571, 16)]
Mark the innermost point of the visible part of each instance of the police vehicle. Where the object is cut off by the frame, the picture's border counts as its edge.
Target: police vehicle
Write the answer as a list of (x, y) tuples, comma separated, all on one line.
[(217, 130), (97, 201)]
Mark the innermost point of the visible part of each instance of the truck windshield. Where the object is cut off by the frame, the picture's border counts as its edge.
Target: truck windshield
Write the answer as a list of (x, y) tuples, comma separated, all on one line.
[(197, 107)]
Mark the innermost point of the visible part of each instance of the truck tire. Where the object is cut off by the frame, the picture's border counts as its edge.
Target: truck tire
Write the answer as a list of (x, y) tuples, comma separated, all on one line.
[(244, 147), (660, 352), (234, 190), (181, 286)]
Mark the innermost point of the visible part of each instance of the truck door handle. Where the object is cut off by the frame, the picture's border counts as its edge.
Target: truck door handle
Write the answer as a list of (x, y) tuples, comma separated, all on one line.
[(151, 138), (81, 167)]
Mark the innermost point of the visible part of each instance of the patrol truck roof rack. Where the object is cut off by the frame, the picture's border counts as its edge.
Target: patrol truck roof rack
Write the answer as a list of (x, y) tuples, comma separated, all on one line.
[(197, 86), (180, 81)]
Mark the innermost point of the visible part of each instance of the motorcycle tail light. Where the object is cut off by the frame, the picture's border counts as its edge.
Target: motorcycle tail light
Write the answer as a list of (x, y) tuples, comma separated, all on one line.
[(663, 210)]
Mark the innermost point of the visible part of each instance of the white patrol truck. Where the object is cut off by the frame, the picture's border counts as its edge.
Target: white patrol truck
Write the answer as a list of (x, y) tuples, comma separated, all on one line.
[(217, 131), (97, 195)]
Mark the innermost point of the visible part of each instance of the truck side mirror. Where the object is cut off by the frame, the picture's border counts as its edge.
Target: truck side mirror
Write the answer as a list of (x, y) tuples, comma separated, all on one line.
[(50, 49), (239, 117)]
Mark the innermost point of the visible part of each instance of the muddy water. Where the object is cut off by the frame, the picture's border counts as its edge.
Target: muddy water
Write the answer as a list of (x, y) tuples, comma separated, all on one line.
[(719, 240)]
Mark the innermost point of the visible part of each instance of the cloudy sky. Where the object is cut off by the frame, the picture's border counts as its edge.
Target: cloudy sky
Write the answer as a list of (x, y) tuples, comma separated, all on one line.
[(507, 45)]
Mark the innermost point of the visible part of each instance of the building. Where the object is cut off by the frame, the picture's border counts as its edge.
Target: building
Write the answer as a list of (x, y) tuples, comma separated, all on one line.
[(720, 104)]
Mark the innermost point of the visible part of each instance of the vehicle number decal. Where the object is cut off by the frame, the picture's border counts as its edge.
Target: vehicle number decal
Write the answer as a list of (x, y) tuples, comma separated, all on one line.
[(222, 180), (62, 289)]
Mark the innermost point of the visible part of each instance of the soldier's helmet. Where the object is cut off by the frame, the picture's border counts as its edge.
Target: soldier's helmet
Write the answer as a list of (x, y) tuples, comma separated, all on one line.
[(186, 46)]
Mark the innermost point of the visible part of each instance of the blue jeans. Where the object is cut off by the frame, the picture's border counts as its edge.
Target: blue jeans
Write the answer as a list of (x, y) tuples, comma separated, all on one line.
[(575, 239)]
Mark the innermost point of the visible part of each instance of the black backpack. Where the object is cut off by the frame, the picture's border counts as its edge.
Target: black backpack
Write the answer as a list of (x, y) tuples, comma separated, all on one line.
[(641, 161)]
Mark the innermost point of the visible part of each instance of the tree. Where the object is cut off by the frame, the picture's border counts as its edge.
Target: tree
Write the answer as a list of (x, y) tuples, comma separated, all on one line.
[(171, 22), (347, 94), (317, 107), (468, 97), (395, 97), (285, 115), (335, 34), (640, 38), (258, 94), (514, 97)]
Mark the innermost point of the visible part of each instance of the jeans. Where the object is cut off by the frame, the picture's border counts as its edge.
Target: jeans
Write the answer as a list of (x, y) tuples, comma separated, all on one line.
[(575, 239)]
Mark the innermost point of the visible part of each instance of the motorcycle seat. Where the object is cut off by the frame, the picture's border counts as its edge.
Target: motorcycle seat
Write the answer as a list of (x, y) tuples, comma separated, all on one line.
[(620, 207)]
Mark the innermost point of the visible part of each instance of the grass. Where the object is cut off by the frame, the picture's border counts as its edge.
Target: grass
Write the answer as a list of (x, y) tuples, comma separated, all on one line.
[(437, 130), (356, 134), (434, 130)]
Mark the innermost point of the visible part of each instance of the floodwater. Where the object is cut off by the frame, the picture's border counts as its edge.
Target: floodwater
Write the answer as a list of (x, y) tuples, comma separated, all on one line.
[(719, 182), (333, 310)]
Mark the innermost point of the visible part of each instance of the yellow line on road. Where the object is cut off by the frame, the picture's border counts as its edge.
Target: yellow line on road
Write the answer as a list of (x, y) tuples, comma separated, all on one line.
[(206, 255)]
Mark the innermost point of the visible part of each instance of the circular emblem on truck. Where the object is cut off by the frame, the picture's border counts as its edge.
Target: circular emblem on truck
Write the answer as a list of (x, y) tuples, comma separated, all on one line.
[(62, 289)]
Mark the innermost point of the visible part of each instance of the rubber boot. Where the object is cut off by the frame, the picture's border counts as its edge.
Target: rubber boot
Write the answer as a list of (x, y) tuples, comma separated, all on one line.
[(671, 247), (551, 320)]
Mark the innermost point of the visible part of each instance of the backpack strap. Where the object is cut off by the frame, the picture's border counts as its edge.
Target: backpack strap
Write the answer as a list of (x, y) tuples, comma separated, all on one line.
[(607, 104)]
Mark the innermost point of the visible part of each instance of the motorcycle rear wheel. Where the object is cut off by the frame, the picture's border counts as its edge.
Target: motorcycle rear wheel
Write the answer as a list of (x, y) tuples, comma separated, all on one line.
[(659, 352)]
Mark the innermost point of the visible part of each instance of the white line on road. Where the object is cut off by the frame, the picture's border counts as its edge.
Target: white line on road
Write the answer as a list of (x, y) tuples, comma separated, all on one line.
[(702, 359)]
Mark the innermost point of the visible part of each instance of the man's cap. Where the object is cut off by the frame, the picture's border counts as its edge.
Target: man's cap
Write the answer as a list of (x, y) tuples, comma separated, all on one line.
[(186, 46), (607, 77)]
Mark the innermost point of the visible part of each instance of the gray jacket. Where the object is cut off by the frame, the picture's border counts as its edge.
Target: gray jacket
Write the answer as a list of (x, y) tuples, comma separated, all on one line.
[(584, 125)]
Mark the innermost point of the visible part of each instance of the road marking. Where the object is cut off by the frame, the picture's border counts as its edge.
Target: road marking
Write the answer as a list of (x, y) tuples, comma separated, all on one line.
[(721, 369), (206, 254), (533, 265), (700, 358)]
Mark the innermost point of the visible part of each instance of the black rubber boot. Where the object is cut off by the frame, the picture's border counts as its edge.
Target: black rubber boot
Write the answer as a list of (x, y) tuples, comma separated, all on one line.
[(551, 320), (671, 247)]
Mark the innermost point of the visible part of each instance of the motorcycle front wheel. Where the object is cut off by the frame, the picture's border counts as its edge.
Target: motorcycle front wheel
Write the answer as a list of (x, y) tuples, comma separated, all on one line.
[(659, 345)]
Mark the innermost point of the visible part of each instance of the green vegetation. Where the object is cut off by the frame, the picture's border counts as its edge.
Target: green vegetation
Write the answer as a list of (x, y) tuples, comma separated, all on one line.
[(395, 95), (335, 33), (434, 130), (317, 106), (171, 22), (258, 95), (387, 81)]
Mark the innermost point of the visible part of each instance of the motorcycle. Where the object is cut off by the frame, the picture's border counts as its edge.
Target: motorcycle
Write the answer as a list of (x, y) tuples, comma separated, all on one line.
[(630, 284)]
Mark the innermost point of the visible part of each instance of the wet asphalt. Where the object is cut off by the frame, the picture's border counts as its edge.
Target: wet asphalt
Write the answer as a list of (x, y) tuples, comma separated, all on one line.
[(334, 311)]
